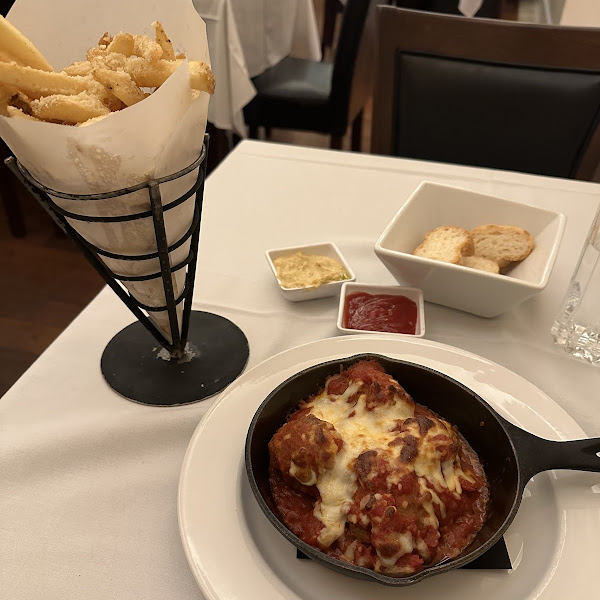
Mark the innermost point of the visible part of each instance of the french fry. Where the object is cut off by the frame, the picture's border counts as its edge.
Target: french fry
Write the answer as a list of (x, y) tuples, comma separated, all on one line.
[(36, 83), (95, 52), (68, 109), (163, 40), (84, 70), (21, 101), (5, 96), (110, 100), (17, 113), (111, 60), (146, 74), (120, 84), (86, 91), (201, 77), (22, 50), (122, 43), (146, 48), (4, 57), (80, 68), (105, 40)]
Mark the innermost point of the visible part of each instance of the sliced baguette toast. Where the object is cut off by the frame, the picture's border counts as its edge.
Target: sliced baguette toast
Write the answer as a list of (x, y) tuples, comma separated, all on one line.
[(480, 263), (447, 243), (502, 243)]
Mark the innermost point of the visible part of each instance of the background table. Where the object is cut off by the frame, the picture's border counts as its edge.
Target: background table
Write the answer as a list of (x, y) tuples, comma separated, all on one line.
[(89, 480), (245, 38), (581, 13)]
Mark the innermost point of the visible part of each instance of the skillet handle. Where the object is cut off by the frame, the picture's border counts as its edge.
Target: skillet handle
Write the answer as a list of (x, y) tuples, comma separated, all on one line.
[(535, 454)]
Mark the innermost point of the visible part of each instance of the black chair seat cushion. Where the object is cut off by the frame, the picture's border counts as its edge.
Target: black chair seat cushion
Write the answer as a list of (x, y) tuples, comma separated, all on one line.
[(528, 119), (293, 94)]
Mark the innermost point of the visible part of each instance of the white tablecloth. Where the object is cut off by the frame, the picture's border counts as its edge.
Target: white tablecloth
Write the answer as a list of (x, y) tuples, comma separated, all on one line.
[(270, 31), (245, 38), (89, 480), (580, 13)]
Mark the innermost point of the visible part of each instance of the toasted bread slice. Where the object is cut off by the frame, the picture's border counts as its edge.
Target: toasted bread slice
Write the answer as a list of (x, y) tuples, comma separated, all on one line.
[(481, 264), (502, 243), (447, 243)]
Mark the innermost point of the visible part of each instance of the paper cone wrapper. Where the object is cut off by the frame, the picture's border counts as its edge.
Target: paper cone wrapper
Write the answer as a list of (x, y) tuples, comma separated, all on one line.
[(156, 137)]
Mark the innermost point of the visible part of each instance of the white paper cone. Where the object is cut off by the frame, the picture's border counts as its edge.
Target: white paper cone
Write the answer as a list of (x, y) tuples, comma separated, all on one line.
[(156, 137)]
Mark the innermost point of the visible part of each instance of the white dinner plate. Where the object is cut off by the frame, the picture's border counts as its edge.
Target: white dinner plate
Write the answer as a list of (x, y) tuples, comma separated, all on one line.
[(234, 552)]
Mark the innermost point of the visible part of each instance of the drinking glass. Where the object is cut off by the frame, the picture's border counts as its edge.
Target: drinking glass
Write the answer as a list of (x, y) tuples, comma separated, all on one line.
[(576, 328)]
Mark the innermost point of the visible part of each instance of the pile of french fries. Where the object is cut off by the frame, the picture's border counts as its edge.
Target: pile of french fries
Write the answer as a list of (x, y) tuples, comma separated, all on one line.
[(119, 72)]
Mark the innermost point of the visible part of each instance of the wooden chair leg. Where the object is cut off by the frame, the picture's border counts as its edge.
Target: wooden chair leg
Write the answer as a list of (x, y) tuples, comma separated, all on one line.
[(220, 146), (331, 11), (336, 142), (357, 132), (253, 132), (268, 133)]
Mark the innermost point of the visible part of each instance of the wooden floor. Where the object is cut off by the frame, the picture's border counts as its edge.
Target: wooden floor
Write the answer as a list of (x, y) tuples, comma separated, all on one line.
[(46, 282)]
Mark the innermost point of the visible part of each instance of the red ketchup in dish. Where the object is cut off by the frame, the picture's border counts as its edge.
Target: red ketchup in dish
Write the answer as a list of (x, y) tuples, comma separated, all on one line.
[(380, 312)]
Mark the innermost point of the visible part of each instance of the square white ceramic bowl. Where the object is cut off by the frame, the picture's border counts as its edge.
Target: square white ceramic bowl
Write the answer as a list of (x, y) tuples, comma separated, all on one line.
[(310, 293), (478, 292), (414, 294)]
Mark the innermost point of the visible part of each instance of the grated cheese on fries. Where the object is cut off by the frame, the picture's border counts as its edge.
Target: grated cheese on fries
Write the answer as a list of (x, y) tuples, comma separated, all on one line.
[(119, 72)]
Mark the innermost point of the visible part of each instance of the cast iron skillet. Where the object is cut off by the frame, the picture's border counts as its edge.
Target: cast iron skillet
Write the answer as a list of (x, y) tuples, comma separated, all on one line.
[(510, 455)]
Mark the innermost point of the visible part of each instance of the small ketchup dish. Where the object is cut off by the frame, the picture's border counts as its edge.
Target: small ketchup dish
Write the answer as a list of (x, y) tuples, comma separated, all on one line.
[(373, 308)]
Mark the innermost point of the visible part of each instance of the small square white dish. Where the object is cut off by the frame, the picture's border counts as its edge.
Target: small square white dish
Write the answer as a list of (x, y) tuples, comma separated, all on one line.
[(414, 294), (299, 294), (478, 292)]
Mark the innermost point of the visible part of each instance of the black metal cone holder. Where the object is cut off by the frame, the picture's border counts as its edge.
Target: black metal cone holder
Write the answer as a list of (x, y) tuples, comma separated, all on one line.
[(132, 363)]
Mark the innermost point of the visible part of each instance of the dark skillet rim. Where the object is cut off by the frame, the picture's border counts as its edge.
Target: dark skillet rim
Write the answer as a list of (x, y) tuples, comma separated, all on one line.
[(338, 565)]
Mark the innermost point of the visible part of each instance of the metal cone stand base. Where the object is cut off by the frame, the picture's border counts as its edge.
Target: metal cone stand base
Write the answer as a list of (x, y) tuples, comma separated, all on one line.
[(133, 365), (204, 352)]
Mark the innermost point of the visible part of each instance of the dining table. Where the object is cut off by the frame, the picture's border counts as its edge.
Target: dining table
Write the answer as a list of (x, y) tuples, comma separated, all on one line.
[(580, 13), (101, 497), (245, 38)]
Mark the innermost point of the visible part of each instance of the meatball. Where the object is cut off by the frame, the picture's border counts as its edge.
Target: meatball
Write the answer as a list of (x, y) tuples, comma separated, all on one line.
[(304, 448), (379, 387)]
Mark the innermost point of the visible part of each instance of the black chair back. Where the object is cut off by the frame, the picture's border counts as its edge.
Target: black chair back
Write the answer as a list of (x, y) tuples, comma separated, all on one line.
[(492, 115), (488, 93)]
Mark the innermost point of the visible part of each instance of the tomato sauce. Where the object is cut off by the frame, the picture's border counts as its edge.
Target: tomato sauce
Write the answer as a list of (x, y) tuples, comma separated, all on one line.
[(390, 502), (463, 519), (380, 312)]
